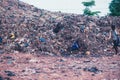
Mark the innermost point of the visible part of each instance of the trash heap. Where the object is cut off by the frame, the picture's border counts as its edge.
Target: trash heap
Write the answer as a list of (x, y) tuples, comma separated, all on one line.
[(27, 29)]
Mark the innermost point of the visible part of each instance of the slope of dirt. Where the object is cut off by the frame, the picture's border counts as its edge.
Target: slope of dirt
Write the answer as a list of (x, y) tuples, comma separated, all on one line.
[(34, 67)]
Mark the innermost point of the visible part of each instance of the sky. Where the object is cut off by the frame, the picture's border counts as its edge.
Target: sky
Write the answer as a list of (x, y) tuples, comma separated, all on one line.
[(70, 6)]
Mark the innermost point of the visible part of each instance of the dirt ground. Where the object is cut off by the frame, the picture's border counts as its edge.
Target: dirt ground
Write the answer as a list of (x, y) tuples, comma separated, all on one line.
[(18, 66)]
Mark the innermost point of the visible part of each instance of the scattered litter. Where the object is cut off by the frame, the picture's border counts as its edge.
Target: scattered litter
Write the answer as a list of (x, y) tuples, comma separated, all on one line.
[(42, 39), (10, 73), (92, 69)]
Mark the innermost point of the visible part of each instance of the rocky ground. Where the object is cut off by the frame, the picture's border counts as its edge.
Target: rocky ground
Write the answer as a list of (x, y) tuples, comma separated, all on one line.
[(19, 66)]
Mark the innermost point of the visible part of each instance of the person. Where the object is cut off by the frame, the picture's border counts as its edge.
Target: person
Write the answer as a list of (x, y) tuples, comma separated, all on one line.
[(114, 36)]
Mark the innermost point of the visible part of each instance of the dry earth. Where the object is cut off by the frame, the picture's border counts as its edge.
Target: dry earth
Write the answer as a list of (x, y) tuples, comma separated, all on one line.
[(20, 66)]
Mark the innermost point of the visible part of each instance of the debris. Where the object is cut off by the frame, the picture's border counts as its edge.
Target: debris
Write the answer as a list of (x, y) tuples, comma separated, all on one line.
[(12, 35), (82, 28), (1, 51), (75, 46), (1, 40), (92, 69), (10, 73), (18, 47), (87, 52), (42, 39), (58, 28), (1, 78), (65, 54), (25, 30)]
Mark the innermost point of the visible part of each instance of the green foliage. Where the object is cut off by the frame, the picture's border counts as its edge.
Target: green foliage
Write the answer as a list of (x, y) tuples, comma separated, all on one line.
[(114, 8), (95, 13), (88, 4), (87, 10)]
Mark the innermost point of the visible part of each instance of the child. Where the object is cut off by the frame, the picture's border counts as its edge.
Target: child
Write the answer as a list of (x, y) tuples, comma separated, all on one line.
[(115, 38)]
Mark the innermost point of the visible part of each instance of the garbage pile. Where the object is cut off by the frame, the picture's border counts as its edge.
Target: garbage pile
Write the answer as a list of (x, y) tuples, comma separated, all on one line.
[(27, 29)]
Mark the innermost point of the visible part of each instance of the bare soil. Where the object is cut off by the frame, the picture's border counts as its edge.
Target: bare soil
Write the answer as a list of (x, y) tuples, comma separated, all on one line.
[(36, 67)]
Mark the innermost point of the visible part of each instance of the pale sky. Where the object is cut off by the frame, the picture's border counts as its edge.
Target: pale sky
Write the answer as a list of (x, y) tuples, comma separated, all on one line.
[(70, 6)]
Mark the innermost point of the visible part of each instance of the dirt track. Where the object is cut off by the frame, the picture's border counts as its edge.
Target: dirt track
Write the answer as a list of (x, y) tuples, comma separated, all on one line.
[(32, 67)]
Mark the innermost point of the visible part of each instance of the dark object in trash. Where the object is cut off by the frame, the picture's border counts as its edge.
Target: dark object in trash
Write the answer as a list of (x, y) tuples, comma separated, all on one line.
[(75, 46), (0, 21), (64, 53), (42, 39), (7, 78), (26, 44), (18, 47), (82, 28), (58, 28), (7, 57), (79, 44), (1, 51), (1, 78), (9, 73), (92, 69), (68, 37), (1, 40)]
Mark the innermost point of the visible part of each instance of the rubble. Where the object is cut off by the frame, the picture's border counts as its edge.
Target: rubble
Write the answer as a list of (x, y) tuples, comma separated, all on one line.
[(76, 45), (25, 28)]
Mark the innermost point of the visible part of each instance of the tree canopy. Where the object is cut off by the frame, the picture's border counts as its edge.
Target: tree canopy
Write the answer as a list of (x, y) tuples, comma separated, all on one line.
[(114, 8), (88, 4), (87, 10)]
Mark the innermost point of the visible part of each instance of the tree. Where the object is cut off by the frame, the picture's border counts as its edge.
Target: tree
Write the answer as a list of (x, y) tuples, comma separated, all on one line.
[(89, 4), (87, 10), (114, 8)]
